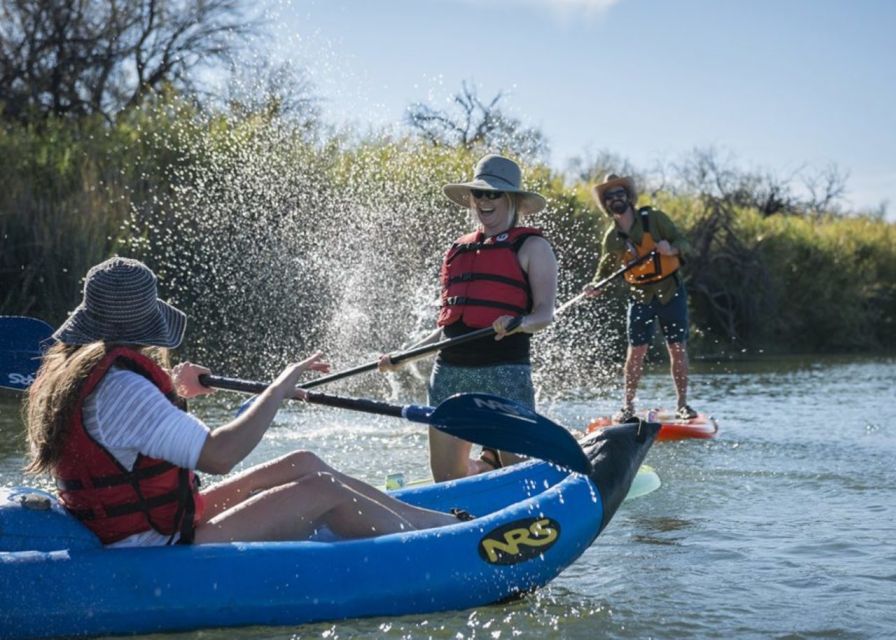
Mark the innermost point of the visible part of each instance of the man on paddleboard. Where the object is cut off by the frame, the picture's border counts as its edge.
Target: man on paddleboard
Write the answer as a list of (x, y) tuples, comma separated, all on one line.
[(657, 291)]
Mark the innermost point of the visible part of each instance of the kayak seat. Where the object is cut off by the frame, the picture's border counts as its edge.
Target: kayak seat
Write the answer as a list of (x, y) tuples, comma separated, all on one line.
[(33, 520)]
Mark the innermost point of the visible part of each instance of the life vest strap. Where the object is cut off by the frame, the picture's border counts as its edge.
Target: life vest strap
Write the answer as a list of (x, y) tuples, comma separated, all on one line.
[(115, 511), (515, 245), (104, 482), (186, 509), (468, 277), (464, 301)]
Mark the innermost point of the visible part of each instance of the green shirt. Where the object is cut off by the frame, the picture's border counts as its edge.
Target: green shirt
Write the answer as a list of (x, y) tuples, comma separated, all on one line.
[(613, 249)]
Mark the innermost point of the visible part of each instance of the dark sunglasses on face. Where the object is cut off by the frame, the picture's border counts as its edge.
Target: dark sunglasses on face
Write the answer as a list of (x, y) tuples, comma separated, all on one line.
[(479, 194), (615, 194)]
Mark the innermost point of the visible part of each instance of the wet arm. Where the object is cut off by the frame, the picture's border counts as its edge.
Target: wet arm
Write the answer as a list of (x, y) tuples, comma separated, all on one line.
[(227, 446), (667, 230), (538, 259)]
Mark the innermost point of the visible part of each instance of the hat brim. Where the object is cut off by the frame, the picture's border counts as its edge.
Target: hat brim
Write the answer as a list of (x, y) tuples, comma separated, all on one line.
[(597, 192), (529, 201), (166, 330)]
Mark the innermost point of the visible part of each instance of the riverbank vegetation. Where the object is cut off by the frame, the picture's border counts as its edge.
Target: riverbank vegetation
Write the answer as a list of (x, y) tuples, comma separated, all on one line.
[(272, 228)]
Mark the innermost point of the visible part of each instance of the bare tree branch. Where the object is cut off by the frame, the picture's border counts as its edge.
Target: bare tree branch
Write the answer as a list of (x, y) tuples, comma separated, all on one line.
[(476, 125), (80, 57)]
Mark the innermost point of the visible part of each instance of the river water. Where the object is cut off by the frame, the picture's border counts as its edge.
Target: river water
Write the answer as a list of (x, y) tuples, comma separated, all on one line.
[(782, 527)]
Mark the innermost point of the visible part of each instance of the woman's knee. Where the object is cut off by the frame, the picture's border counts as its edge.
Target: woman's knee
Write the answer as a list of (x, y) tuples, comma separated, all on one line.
[(323, 483), (301, 462)]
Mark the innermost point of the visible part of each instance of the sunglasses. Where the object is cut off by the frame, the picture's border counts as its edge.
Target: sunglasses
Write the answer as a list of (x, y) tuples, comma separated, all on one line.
[(614, 194), (479, 194)]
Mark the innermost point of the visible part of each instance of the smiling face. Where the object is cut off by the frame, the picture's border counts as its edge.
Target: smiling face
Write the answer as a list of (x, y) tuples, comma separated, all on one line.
[(616, 200), (493, 210)]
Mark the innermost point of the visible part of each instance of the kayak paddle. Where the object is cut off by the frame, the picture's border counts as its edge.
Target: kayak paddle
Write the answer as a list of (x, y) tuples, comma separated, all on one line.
[(412, 354), (417, 352), (602, 283), (481, 418), (22, 343)]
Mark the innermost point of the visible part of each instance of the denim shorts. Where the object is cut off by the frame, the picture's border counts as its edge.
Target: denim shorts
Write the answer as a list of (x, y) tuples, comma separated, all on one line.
[(512, 381), (673, 317)]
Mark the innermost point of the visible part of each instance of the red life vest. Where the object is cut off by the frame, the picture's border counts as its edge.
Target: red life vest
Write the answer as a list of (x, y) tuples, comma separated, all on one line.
[(654, 269), (115, 502), (482, 279)]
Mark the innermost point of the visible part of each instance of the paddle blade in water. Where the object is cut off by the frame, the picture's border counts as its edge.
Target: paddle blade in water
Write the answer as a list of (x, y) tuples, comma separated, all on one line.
[(503, 424)]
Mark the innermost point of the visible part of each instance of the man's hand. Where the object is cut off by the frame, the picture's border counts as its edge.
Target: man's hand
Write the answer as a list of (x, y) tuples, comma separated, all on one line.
[(591, 291), (664, 248)]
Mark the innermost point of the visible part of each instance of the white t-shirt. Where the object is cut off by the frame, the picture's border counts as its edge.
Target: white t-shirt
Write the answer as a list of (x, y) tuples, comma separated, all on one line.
[(129, 415)]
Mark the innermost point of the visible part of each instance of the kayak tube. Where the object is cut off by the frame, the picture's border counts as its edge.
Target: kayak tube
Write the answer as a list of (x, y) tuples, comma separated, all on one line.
[(646, 481), (671, 426), (532, 520)]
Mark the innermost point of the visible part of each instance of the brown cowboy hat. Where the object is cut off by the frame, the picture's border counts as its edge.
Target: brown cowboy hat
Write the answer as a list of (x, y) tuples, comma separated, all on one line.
[(612, 180)]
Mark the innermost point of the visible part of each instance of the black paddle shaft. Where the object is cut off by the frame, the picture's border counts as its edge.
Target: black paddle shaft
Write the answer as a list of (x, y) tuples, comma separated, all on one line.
[(410, 354), (358, 404)]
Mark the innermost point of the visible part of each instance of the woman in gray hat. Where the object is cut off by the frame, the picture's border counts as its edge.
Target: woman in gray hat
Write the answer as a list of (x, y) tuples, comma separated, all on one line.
[(489, 277), (107, 419)]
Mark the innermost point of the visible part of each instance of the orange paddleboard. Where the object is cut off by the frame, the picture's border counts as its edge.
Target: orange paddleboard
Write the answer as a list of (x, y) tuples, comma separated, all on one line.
[(672, 427)]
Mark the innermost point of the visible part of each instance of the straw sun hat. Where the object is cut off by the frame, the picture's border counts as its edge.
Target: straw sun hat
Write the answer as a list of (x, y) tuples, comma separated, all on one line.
[(610, 181), (496, 173), (121, 304)]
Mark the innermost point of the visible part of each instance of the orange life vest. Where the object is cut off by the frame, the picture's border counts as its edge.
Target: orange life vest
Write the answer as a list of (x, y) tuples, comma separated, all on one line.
[(115, 502), (482, 279), (653, 269)]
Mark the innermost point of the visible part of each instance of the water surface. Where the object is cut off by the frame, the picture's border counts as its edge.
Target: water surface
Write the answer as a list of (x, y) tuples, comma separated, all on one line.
[(782, 527)]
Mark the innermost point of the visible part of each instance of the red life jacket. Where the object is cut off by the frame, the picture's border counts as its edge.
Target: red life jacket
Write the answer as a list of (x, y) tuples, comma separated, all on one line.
[(115, 502), (654, 269), (482, 279)]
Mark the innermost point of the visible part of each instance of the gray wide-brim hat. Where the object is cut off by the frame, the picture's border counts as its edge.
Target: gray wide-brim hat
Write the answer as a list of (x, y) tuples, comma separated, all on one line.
[(121, 304), (496, 173)]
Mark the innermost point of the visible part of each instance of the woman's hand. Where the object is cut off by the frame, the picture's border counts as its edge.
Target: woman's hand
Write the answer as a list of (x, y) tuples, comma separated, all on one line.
[(315, 363), (386, 365), (500, 326), (289, 377), (185, 377)]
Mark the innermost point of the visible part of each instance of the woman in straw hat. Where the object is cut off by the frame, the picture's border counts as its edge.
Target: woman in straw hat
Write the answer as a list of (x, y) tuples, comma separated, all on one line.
[(107, 419), (489, 277), (657, 291)]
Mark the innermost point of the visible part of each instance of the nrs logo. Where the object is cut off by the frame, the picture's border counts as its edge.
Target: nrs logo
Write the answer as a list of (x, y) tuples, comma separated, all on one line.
[(495, 404), (519, 541), (20, 380)]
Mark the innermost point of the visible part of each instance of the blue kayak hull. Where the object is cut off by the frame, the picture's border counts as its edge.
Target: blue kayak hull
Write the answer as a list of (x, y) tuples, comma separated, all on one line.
[(533, 520)]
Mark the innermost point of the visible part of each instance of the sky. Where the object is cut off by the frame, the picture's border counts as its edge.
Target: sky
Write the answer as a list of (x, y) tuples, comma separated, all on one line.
[(781, 86)]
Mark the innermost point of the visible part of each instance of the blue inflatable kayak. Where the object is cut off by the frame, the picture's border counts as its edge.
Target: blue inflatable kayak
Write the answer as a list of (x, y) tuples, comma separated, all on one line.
[(532, 521)]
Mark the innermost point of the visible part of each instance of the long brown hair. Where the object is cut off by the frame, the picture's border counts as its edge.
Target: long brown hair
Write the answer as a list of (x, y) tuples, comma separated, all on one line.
[(52, 398)]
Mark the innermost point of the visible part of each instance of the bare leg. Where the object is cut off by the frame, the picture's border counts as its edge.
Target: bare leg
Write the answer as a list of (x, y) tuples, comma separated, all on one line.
[(296, 466), (508, 458), (267, 475), (419, 517), (634, 367), (294, 511), (678, 357), (449, 457)]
